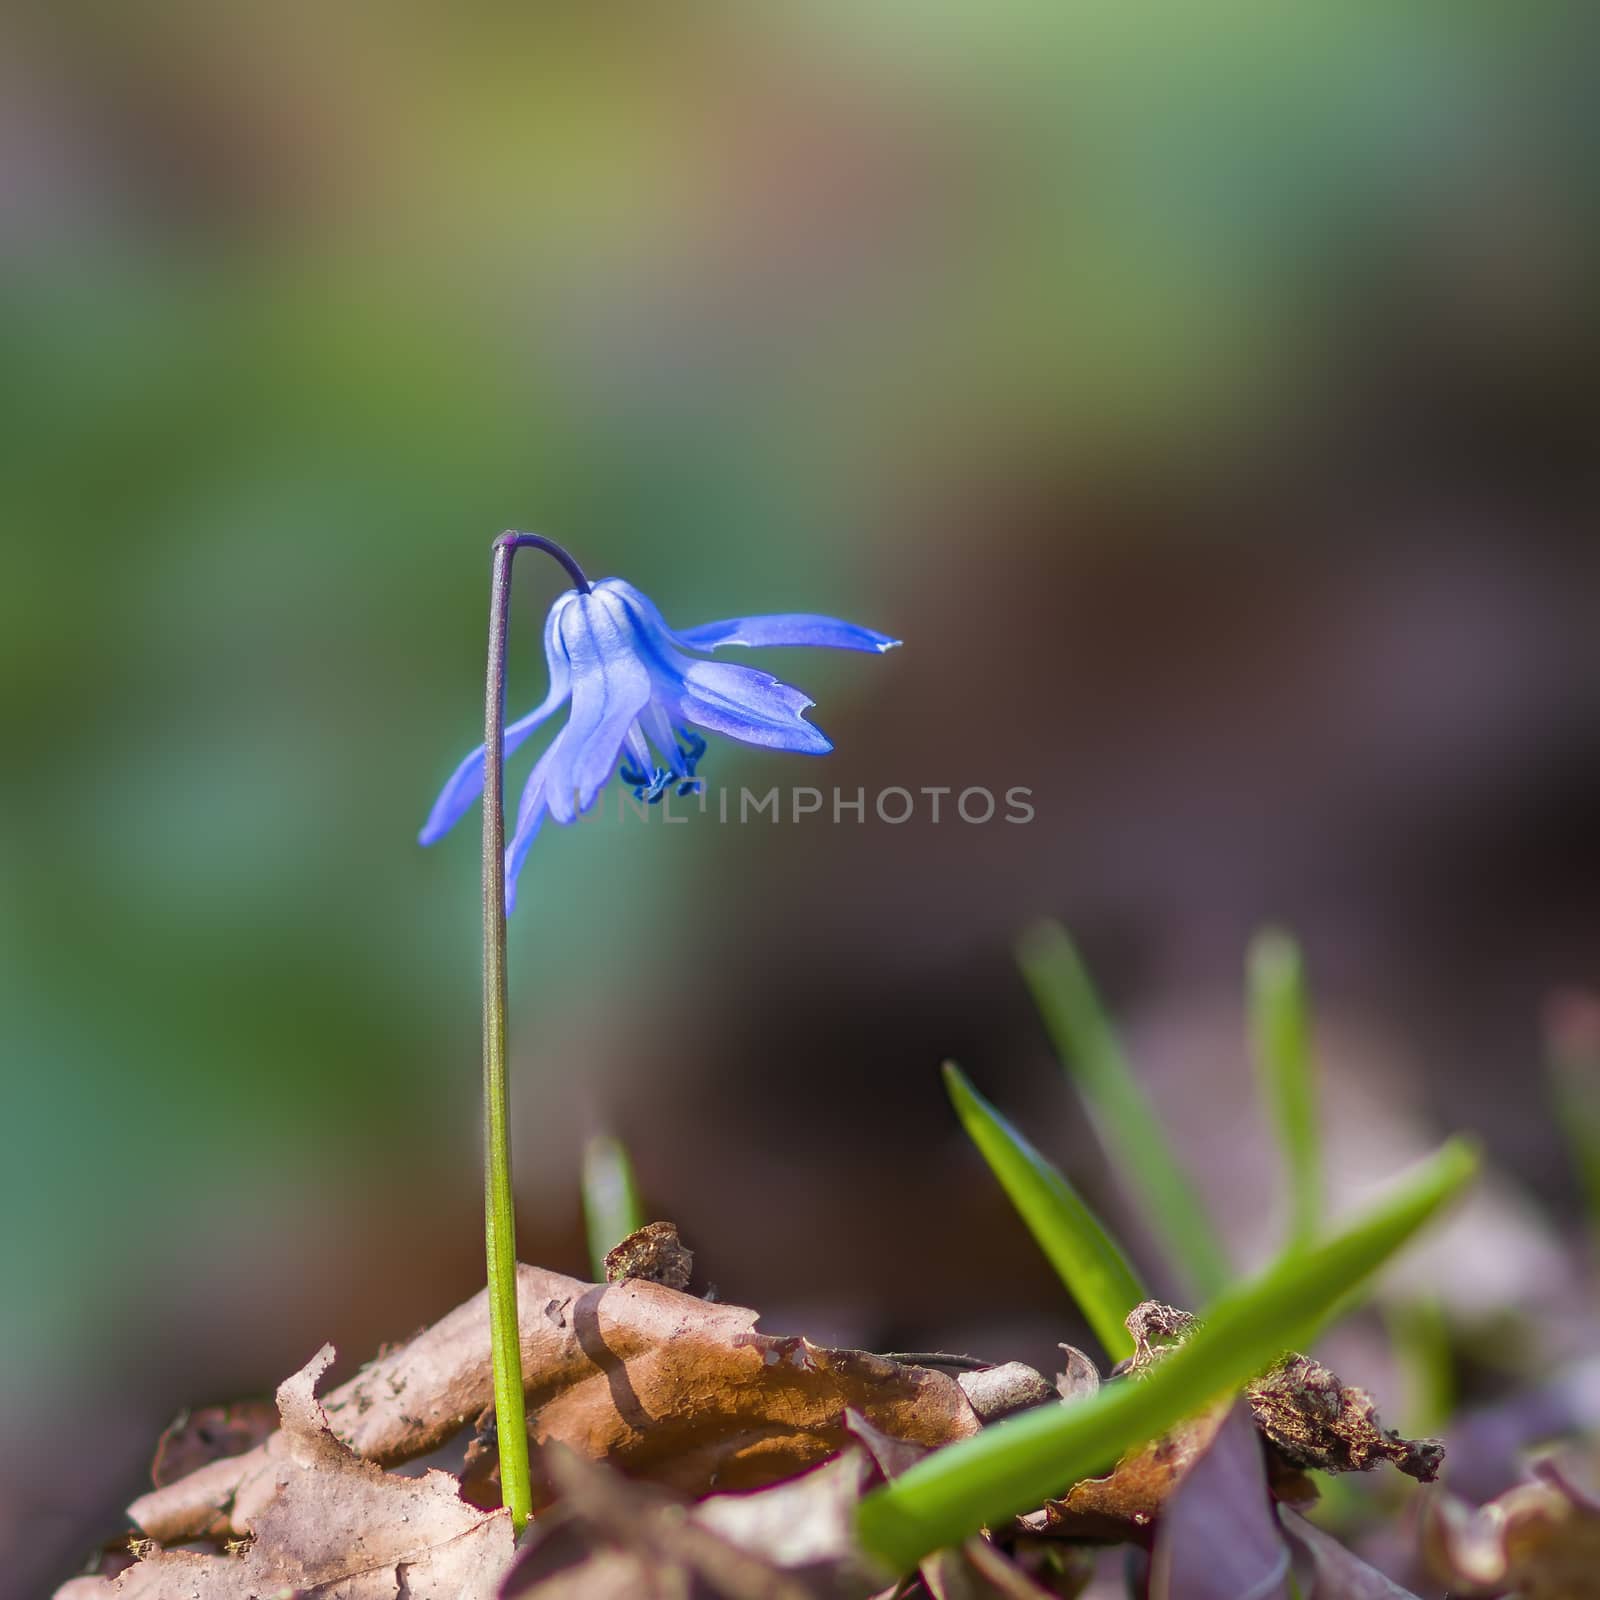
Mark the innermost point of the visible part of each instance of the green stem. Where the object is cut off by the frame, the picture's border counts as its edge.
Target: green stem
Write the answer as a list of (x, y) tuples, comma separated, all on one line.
[(499, 1213)]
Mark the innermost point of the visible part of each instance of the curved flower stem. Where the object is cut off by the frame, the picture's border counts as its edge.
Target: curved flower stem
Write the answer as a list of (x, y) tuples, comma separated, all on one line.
[(499, 1215)]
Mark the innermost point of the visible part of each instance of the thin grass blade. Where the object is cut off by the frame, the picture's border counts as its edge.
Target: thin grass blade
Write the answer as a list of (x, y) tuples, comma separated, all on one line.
[(1015, 1465), (1280, 1035), (611, 1209), (1419, 1337), (1094, 1059), (1088, 1259), (1572, 1061)]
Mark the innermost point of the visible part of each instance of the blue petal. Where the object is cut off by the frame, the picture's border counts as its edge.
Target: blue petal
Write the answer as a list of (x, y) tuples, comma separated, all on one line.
[(788, 628), (531, 811), (466, 782), (748, 705), (739, 702), (657, 720), (610, 685)]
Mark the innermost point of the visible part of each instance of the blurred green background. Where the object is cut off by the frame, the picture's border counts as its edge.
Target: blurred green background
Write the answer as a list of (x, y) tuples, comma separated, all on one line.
[(1201, 391)]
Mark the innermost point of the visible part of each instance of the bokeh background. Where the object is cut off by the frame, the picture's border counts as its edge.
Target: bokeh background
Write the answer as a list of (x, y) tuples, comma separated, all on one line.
[(1204, 393)]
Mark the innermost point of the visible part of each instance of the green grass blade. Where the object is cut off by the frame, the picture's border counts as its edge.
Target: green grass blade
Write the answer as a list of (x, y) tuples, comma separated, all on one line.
[(1088, 1260), (1280, 1035), (1419, 1337), (1572, 1062), (1015, 1465), (610, 1199), (1127, 1126)]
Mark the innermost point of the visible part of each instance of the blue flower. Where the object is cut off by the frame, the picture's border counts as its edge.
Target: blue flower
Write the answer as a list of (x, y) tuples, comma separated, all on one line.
[(637, 695)]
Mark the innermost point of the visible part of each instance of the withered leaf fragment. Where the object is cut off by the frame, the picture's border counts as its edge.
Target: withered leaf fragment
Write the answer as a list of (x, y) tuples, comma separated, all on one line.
[(1125, 1503), (318, 1519), (1156, 1329), (1079, 1377), (655, 1381), (654, 1253), (1003, 1390), (1310, 1419), (1315, 1421), (608, 1539), (1539, 1541)]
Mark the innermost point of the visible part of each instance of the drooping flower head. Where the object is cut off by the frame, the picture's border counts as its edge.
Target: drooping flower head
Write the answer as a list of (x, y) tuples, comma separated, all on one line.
[(638, 695)]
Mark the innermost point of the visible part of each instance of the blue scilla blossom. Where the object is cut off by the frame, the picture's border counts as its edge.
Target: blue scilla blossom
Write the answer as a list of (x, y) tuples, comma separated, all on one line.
[(637, 696)]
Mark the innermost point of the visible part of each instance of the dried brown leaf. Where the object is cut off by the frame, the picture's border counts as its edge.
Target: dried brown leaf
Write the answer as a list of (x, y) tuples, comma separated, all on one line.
[(1310, 1419), (1125, 1503), (654, 1253), (209, 1434), (891, 1456), (1002, 1390), (1313, 1420), (1156, 1329), (320, 1519), (659, 1383), (1079, 1377)]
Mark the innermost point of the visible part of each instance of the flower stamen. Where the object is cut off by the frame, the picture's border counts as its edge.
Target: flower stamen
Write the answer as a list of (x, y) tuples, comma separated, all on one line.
[(689, 759)]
